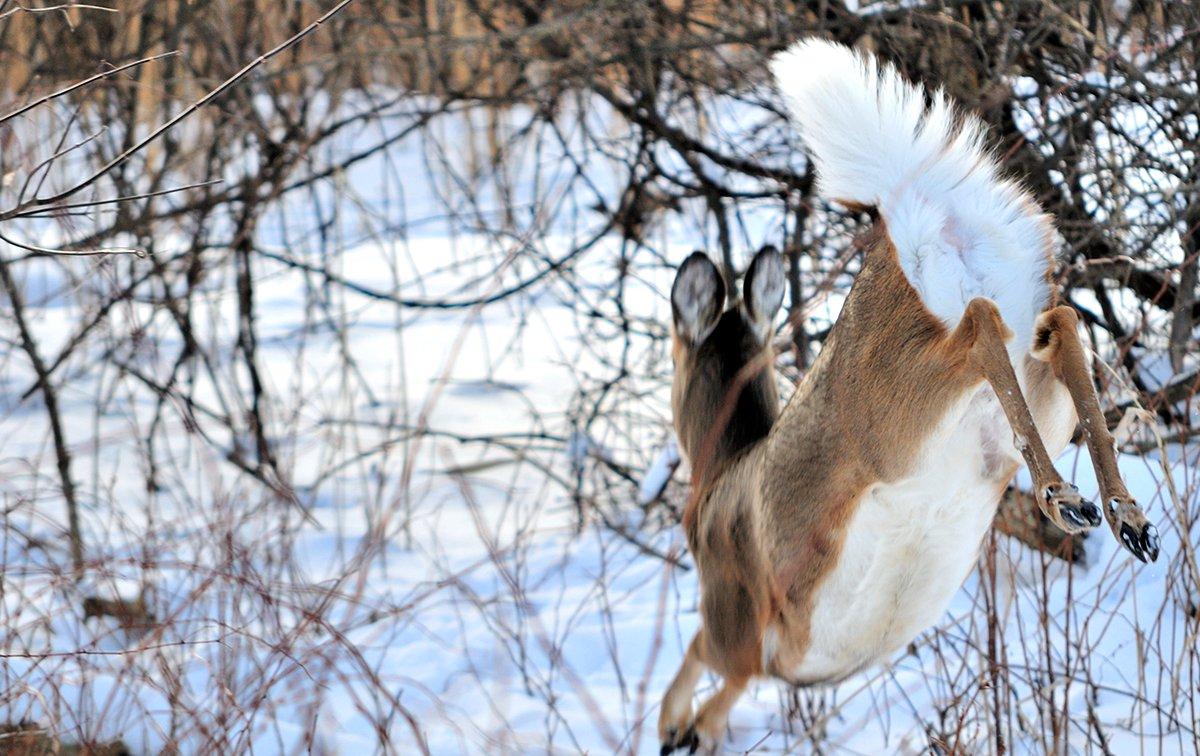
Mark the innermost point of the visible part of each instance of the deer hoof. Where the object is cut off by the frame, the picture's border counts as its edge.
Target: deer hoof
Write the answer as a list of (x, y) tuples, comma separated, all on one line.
[(1143, 545), (676, 741), (1135, 532), (1069, 510)]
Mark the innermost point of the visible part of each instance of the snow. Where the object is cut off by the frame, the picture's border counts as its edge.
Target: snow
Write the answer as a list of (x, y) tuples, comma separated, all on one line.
[(659, 473)]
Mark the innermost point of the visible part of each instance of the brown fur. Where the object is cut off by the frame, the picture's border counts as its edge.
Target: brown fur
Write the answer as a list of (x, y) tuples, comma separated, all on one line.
[(769, 518), (1056, 341)]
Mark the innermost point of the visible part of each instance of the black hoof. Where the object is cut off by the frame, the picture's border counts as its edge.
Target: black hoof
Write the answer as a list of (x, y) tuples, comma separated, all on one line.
[(1142, 545), (668, 743), (689, 740), (1083, 515), (1150, 541), (1091, 513)]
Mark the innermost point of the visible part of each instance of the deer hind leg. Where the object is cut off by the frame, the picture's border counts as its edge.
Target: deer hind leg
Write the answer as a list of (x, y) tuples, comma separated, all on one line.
[(1056, 341), (984, 334)]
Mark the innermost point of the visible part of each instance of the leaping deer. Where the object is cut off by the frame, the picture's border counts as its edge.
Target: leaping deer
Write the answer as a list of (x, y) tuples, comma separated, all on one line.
[(829, 537)]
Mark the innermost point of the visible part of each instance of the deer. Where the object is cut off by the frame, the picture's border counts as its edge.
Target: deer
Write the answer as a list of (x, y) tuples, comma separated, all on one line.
[(830, 534)]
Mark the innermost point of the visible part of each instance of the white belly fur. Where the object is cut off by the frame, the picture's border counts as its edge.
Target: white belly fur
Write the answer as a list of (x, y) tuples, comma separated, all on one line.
[(911, 543)]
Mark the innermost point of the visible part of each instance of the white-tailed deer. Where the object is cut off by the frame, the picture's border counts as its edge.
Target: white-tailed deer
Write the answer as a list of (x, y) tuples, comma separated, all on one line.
[(829, 537)]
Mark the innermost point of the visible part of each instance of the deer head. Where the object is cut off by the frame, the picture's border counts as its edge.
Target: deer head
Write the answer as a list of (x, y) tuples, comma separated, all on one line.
[(723, 395)]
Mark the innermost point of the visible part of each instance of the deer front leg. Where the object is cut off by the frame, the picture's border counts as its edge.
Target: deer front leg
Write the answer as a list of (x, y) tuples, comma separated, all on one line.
[(678, 728), (983, 332), (713, 717), (675, 715), (1056, 340)]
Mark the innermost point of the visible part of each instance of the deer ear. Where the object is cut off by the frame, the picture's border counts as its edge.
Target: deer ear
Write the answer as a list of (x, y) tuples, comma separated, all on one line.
[(697, 298), (762, 291)]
